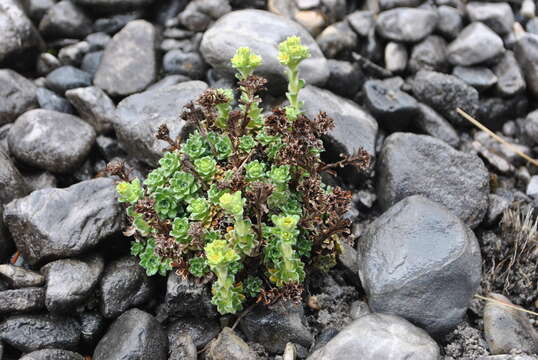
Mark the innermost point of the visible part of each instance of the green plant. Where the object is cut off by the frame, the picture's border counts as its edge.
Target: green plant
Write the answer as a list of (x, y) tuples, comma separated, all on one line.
[(241, 202)]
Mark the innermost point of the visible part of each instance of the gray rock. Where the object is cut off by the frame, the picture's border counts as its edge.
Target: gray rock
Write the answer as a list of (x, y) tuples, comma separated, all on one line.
[(94, 106), (49, 100), (167, 81), (229, 346), (530, 127), (17, 95), (46, 63), (395, 57), (498, 16), (379, 336), (19, 277), (532, 187), (450, 21), (412, 164), (508, 329), (91, 61), (93, 326), (40, 180), (336, 39), (199, 14), (65, 20), (135, 335), (114, 23), (70, 282), (354, 127), (22, 300), (12, 184), (526, 52), (33, 332), (481, 78), (274, 326), (74, 53), (221, 41), (200, 330), (362, 22), (36, 9), (139, 116), (393, 108), (51, 224), (52, 354), (50, 140), (390, 4), (345, 78), (189, 64), (124, 285), (433, 124), (182, 349), (532, 25), (359, 309), (6, 244), (67, 77), (494, 111), (20, 42), (510, 78), (406, 24), (476, 44), (114, 6), (497, 205), (98, 41), (129, 64), (429, 54), (445, 93), (185, 297), (430, 275), (347, 261)]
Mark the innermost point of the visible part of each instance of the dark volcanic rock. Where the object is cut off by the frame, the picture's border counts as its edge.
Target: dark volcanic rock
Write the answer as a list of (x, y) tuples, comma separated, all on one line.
[(429, 276), (135, 335), (124, 285), (412, 164), (229, 346), (433, 124), (139, 116), (51, 140), (180, 62), (22, 300), (65, 20), (33, 332), (345, 78), (510, 78), (52, 354), (406, 24), (18, 277), (12, 184), (222, 40), (17, 95), (129, 64), (199, 14), (200, 329), (50, 224)]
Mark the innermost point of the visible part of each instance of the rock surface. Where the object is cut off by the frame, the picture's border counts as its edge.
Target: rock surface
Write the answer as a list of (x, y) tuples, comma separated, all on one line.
[(12, 184), (19, 277), (94, 107), (229, 346), (526, 53), (22, 300), (17, 95), (474, 45), (52, 354), (65, 19), (406, 24), (419, 261)]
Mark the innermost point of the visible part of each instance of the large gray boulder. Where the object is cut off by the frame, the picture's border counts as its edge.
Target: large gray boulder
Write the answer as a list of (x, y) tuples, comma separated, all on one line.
[(419, 261), (250, 28)]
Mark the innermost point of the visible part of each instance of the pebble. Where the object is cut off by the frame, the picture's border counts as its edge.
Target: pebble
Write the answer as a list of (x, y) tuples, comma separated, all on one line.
[(12, 184), (229, 346), (406, 24), (30, 299), (475, 44), (67, 77), (52, 354), (199, 14), (498, 16), (17, 95), (49, 100), (91, 61), (188, 64), (450, 21), (19, 277), (510, 78), (362, 22), (73, 54), (65, 20), (395, 57), (481, 78), (93, 106), (46, 63), (432, 123), (526, 53), (336, 39), (429, 54), (345, 78)]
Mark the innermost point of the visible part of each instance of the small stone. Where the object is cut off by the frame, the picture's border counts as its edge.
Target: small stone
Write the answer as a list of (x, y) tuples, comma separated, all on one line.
[(129, 63), (379, 336), (528, 9), (91, 61), (12, 184), (412, 164), (307, 4), (94, 106), (50, 140), (530, 127), (124, 284), (169, 80), (200, 330), (336, 39), (406, 24), (481, 78), (498, 16), (532, 186), (229, 346), (52, 354), (46, 63), (189, 64), (450, 21), (395, 57), (98, 41), (73, 54), (182, 348), (92, 326), (33, 332), (199, 14), (114, 6), (526, 53), (508, 329), (70, 282), (65, 20), (283, 8), (22, 300), (6, 245), (510, 78), (67, 77), (429, 54), (40, 180), (312, 20), (49, 100), (362, 22), (433, 124), (17, 95), (434, 247), (497, 205), (476, 44), (19, 277), (345, 78), (175, 33), (134, 335)]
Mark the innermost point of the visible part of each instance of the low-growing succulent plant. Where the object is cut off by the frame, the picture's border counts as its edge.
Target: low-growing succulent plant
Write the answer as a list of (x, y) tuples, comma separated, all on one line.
[(240, 203)]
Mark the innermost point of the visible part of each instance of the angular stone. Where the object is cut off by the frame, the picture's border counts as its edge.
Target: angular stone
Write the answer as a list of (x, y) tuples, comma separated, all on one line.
[(139, 116), (336, 39), (129, 64), (50, 140), (65, 20), (19, 277), (229, 346), (498, 16), (199, 329), (52, 354), (91, 61), (362, 22), (199, 14), (12, 184), (526, 52), (49, 100), (67, 77), (51, 224), (379, 336), (412, 164), (94, 106), (114, 6), (222, 40), (430, 274), (70, 282), (33, 332), (476, 44), (189, 64), (22, 300), (481, 78), (135, 335), (124, 284), (433, 124), (74, 53), (450, 21), (429, 54), (17, 95), (406, 24), (346, 79), (510, 78)]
